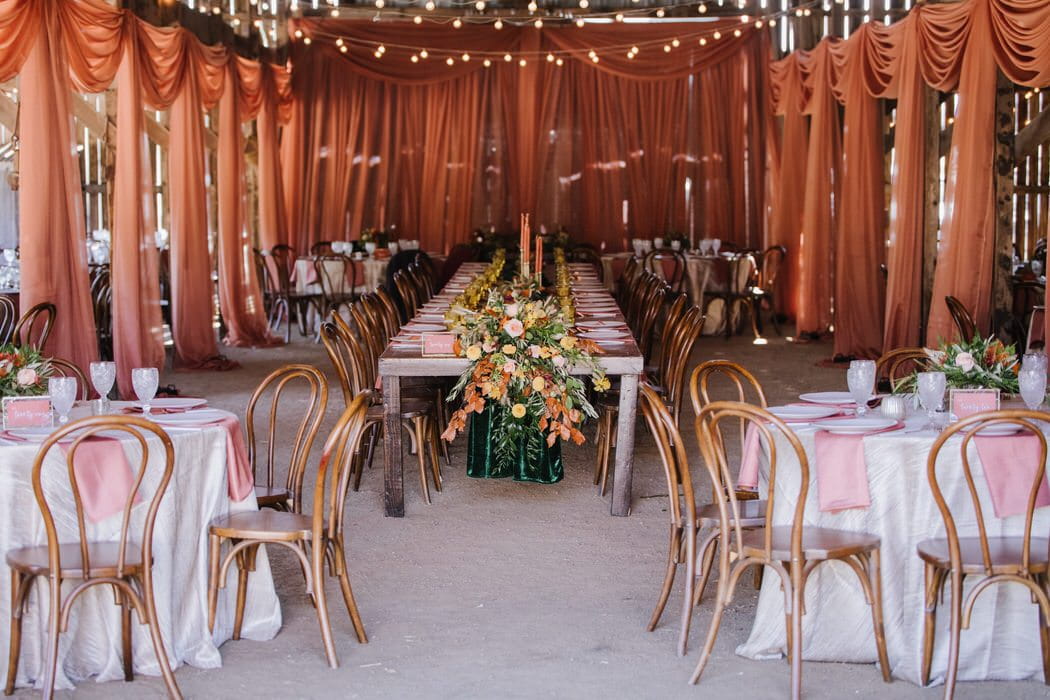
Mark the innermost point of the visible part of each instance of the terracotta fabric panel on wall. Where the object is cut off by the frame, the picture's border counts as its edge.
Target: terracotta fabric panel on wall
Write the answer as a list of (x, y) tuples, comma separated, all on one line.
[(273, 223)]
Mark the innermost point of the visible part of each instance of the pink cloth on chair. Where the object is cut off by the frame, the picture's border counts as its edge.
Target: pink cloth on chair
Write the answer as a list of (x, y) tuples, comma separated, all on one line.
[(104, 477), (239, 478), (748, 477), (1009, 464)]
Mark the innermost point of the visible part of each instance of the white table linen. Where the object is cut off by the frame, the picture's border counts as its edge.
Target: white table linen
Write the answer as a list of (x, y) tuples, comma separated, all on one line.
[(1002, 642), (196, 494)]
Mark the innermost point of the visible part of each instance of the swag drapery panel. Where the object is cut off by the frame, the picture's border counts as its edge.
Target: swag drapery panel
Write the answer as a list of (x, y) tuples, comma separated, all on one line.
[(955, 46), (604, 149), (81, 44)]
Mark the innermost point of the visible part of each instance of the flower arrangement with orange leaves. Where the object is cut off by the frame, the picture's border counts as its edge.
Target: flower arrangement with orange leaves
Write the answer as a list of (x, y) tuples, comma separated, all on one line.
[(979, 363), (23, 371), (522, 354)]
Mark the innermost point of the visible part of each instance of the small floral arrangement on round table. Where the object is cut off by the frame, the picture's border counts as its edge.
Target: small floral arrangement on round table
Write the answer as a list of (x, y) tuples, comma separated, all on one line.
[(980, 363), (519, 390), (23, 371)]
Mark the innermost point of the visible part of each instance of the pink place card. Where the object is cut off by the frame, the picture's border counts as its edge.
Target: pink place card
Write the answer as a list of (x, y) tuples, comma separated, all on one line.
[(27, 412), (966, 402), (439, 344)]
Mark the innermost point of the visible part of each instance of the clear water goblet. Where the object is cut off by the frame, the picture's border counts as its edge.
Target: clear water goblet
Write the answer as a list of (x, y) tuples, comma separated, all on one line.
[(63, 392), (1034, 360), (1033, 387), (860, 378), (931, 386), (103, 374), (145, 380)]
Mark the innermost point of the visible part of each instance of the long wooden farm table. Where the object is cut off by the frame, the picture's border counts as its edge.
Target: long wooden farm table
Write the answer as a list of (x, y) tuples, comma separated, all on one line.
[(399, 360)]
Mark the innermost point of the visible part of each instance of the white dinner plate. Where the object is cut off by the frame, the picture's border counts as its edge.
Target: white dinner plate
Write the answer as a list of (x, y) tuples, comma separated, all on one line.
[(202, 417), (606, 334), (828, 398), (598, 325), (424, 327), (183, 402), (855, 426), (29, 434), (802, 413), (1000, 430)]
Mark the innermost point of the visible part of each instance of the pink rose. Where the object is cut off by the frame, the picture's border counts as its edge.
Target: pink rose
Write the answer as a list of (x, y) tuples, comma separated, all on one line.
[(514, 328), (509, 366), (964, 361), (559, 360), (26, 377), (534, 350), (511, 310)]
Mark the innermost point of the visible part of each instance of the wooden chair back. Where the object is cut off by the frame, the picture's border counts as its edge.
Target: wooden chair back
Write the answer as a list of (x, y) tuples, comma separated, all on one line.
[(65, 368), (968, 428), (652, 304), (681, 499), (675, 310), (370, 328), (709, 425), (406, 289), (772, 260), (336, 468), (732, 379), (743, 274), (305, 417), (899, 363), (34, 327), (667, 264), (389, 314), (321, 248), (423, 276), (262, 272), (644, 285), (8, 319), (683, 338), (336, 275), (146, 434), (349, 358), (284, 264), (628, 279), (964, 322)]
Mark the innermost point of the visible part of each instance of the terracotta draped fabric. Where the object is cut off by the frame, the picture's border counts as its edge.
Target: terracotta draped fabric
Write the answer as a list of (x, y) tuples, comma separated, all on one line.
[(951, 46), (240, 297), (275, 109), (604, 149)]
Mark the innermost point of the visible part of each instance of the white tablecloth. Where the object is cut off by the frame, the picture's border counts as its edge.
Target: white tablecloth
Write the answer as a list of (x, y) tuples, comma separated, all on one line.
[(196, 494), (1003, 639)]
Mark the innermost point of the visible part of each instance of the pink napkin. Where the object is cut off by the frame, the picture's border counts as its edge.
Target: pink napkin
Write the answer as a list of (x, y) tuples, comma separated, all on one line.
[(842, 475), (1009, 464), (239, 479), (103, 476), (748, 477)]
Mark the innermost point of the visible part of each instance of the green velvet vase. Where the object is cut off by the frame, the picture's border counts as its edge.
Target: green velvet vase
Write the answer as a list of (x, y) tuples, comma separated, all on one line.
[(483, 462)]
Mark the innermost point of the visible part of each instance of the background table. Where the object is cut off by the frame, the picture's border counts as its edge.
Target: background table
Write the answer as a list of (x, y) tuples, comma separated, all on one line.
[(196, 494), (1003, 639)]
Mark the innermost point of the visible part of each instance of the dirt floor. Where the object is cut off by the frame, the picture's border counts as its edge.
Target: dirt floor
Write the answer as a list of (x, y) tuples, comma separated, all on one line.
[(506, 590)]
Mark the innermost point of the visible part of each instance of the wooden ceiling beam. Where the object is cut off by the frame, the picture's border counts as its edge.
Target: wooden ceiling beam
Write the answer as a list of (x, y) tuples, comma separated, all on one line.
[(1034, 134)]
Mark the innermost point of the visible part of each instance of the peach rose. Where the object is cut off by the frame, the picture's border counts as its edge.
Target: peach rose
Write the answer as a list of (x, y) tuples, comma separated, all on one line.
[(26, 377), (514, 328)]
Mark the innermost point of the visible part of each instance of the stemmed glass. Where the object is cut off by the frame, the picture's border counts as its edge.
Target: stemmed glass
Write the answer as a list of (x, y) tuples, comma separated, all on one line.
[(860, 377), (103, 374), (1033, 386), (1034, 360), (63, 392), (932, 386), (145, 381)]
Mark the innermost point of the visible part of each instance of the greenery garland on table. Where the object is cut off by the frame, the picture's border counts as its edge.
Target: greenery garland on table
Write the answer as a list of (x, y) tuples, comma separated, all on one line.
[(521, 350), (980, 363)]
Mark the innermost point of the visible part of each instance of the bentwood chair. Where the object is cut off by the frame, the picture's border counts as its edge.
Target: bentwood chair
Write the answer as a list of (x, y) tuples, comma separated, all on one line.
[(316, 539), (898, 364), (124, 561), (962, 317), (303, 413), (792, 551), (287, 301), (1022, 559), (8, 318), (763, 293), (408, 293), (337, 281), (628, 278), (743, 273), (321, 248), (667, 264), (34, 327), (65, 368)]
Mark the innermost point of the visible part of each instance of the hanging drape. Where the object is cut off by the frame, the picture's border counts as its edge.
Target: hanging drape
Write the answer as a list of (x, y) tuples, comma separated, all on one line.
[(610, 149), (80, 44), (956, 46)]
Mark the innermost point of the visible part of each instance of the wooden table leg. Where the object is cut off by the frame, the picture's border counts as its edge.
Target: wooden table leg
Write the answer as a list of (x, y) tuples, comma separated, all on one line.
[(393, 475), (621, 498)]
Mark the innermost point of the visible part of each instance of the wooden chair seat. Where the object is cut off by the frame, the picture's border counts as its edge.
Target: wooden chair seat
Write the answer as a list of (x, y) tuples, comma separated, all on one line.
[(817, 543), (272, 496), (102, 555), (752, 514), (1005, 554), (263, 525), (410, 408)]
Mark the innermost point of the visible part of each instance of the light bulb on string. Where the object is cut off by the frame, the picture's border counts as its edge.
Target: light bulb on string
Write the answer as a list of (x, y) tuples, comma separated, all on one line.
[(450, 61), (744, 19), (344, 48), (758, 24), (660, 12), (507, 57), (630, 55), (538, 24), (298, 34), (634, 49), (716, 36), (418, 19), (307, 41), (377, 54), (579, 22), (457, 23), (486, 63), (533, 6), (772, 23), (334, 13), (619, 17), (498, 24), (737, 32), (667, 48), (523, 63), (591, 54), (594, 58), (584, 4), (339, 41), (380, 4), (675, 42), (703, 41), (415, 58), (381, 49), (798, 12), (480, 5), (550, 58), (559, 62), (423, 53), (430, 6), (702, 9), (465, 57)]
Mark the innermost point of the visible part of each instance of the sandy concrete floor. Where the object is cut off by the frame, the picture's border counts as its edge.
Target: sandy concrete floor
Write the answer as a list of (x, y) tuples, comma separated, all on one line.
[(505, 590)]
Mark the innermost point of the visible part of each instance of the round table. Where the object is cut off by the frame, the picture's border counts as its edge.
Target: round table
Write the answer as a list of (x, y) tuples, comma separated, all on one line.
[(196, 494)]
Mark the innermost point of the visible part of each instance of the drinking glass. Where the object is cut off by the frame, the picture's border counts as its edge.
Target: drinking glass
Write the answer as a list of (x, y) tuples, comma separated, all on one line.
[(1033, 387), (9, 255), (1034, 360), (63, 391), (103, 374), (860, 377), (145, 380), (716, 244), (932, 386)]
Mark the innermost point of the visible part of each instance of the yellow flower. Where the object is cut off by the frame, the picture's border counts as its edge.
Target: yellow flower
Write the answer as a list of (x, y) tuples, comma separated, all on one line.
[(538, 384), (474, 353), (568, 342), (509, 349), (518, 411), (602, 384)]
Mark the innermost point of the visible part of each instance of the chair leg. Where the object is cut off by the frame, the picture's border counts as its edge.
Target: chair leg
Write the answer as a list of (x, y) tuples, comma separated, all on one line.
[(673, 546), (442, 421), (599, 443), (157, 639), (51, 656), (418, 428), (955, 630), (797, 596), (707, 558), (933, 578), (716, 620), (348, 594), (242, 591), (875, 576), (433, 440), (214, 555), (610, 443), (321, 602), (125, 636), (753, 312), (1044, 641), (15, 641), (690, 585)]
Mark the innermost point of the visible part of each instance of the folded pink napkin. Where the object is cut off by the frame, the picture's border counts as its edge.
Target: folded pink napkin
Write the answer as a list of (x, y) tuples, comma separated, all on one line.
[(104, 476), (239, 479), (748, 477), (1009, 464), (842, 474)]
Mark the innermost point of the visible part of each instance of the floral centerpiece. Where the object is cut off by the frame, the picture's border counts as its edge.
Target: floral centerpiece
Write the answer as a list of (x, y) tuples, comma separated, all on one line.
[(519, 391), (980, 363), (23, 371)]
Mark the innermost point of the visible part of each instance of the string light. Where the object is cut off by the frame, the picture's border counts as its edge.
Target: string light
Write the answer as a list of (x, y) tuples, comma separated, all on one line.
[(619, 17), (415, 58), (498, 24), (430, 5), (298, 33), (480, 5), (675, 43), (758, 24), (559, 62), (380, 4), (465, 57), (507, 57), (716, 36), (594, 58), (450, 61), (306, 41), (522, 63), (533, 6), (418, 19), (339, 41), (584, 4), (772, 23), (334, 13), (702, 9), (550, 58), (538, 24), (660, 12), (377, 54), (457, 23), (737, 32), (344, 48), (630, 55), (579, 22), (634, 49), (423, 53), (667, 48), (703, 41), (487, 63)]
